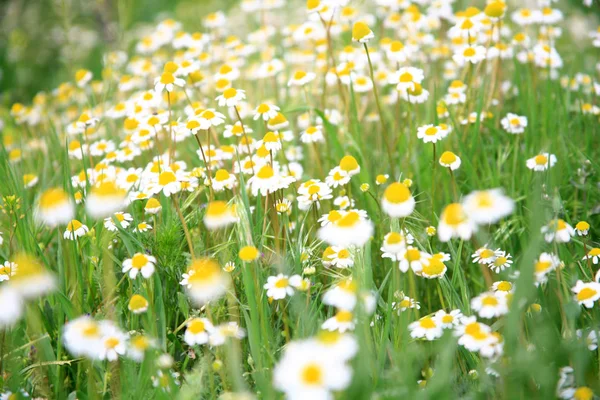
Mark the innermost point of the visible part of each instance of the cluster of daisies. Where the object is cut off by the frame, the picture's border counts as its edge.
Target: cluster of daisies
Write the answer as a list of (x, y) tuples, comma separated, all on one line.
[(179, 127)]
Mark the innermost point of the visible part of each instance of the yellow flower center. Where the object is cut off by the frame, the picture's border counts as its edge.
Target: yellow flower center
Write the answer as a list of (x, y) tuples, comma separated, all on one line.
[(396, 193), (427, 323), (312, 374), (586, 294), (196, 326)]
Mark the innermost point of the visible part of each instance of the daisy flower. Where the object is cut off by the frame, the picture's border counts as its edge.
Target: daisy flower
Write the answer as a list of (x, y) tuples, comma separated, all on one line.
[(450, 160), (397, 201), (167, 81), (265, 111), (426, 328), (312, 134), (7, 270), (54, 207), (231, 97), (197, 331), (124, 219), (341, 257), (557, 230), (430, 133), (219, 215), (541, 162), (280, 286), (448, 320), (305, 370), (594, 255), (501, 261), (75, 229), (105, 199), (342, 321), (514, 123), (353, 228), (139, 263), (301, 78), (454, 222), (433, 267), (488, 206), (361, 32), (205, 281), (489, 305), (342, 295), (394, 244), (137, 304), (582, 228), (586, 293)]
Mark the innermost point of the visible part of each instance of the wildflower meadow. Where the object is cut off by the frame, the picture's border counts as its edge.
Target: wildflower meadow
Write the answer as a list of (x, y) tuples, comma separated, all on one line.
[(281, 199)]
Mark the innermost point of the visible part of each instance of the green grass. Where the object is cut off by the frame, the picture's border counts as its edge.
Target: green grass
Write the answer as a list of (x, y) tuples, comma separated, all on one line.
[(389, 363)]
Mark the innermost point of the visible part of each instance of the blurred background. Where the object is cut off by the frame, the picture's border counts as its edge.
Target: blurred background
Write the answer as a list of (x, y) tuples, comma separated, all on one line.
[(42, 42)]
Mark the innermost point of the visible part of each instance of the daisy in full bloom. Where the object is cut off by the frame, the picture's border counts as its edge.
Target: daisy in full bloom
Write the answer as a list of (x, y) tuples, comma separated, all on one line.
[(123, 219), (469, 54), (473, 335), (231, 97), (280, 286), (197, 331), (205, 280), (434, 267), (488, 206), (407, 78), (112, 344), (545, 264), (342, 295), (342, 321), (7, 270), (139, 263), (426, 328), (268, 179), (353, 228), (105, 199), (54, 207), (397, 201), (514, 123), (219, 215), (448, 320), (138, 346), (301, 78), (340, 257), (406, 303), (312, 134), (541, 162), (484, 255), (558, 230), (586, 293), (502, 260), (394, 244), (412, 258), (489, 305), (32, 279), (594, 255), (306, 371), (454, 222), (167, 81), (266, 111), (222, 332), (450, 160), (74, 230), (430, 133)]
